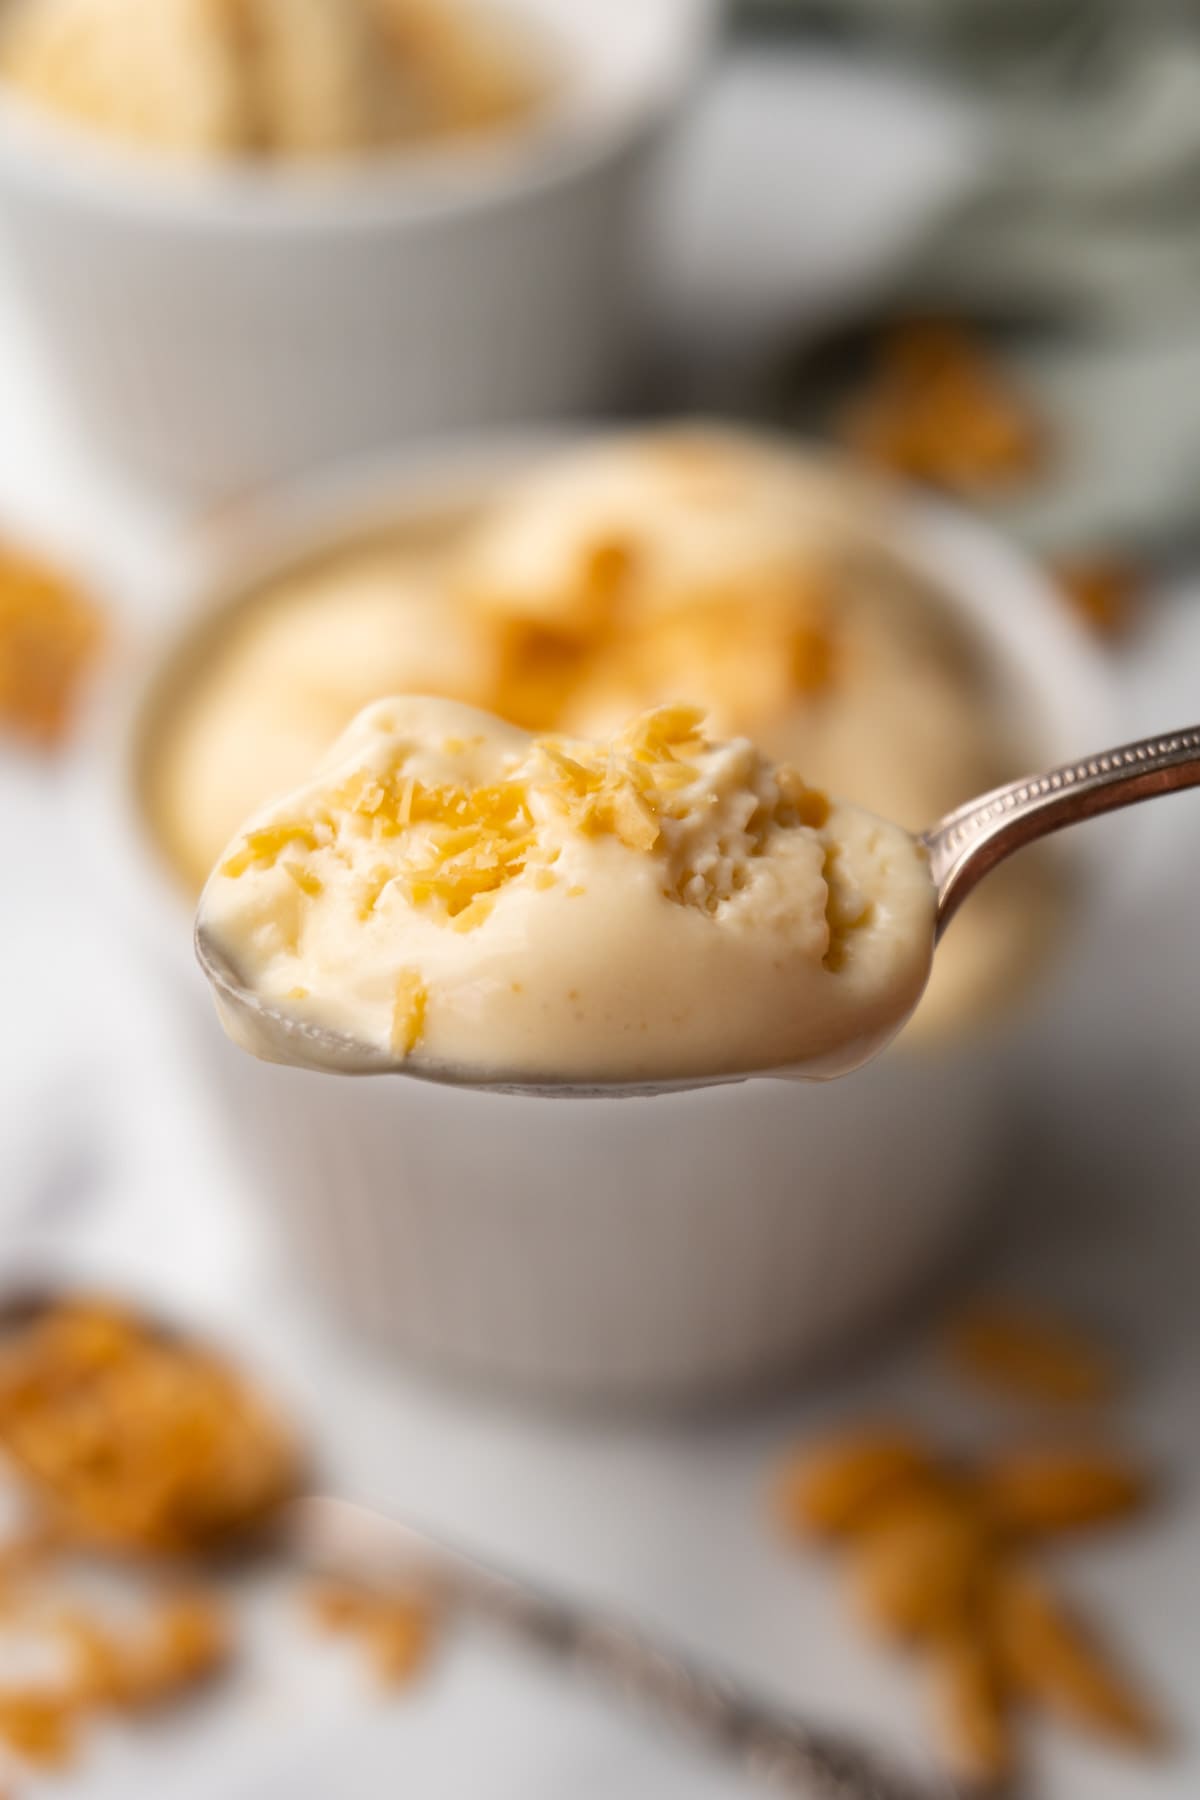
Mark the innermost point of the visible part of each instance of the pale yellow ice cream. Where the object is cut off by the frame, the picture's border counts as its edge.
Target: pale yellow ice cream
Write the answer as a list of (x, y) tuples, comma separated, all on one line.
[(459, 894), (704, 566), (768, 587), (213, 79), (288, 676)]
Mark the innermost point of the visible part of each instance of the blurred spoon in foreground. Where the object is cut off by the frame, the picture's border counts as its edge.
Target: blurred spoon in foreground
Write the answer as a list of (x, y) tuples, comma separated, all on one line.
[(912, 887), (139, 1441)]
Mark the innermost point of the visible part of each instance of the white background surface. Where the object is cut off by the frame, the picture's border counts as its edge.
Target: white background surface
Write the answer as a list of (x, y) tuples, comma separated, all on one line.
[(110, 1161)]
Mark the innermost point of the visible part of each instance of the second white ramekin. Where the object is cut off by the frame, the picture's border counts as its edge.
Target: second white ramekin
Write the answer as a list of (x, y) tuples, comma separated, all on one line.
[(216, 329), (636, 1250)]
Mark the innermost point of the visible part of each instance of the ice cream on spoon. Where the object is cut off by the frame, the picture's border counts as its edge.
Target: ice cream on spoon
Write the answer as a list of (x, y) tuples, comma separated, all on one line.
[(455, 899), (455, 896)]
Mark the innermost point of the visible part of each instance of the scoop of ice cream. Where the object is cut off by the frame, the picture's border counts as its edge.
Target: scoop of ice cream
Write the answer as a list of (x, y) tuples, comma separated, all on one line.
[(689, 561), (674, 517), (294, 671), (769, 587), (159, 75), (451, 890), (294, 78)]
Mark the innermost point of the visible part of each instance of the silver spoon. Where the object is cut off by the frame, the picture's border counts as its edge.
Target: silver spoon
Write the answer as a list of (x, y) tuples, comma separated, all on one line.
[(328, 1535), (962, 849), (781, 1749)]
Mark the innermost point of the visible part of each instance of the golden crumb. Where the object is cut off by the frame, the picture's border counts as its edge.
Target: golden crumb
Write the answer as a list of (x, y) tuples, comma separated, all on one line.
[(135, 1440), (1046, 1488), (942, 410), (918, 1570), (408, 1012), (830, 1487), (1029, 1355), (264, 847), (187, 1643), (398, 1638), (337, 1605), (1104, 592), (98, 1659), (305, 880), (396, 1630), (51, 633), (972, 1712), (39, 1724), (608, 566), (1051, 1659)]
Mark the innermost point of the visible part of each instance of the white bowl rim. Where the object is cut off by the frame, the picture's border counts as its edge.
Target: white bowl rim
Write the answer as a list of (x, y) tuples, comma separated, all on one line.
[(443, 182), (1039, 644)]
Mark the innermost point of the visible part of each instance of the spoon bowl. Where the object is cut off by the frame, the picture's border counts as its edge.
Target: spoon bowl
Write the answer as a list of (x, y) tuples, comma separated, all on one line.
[(275, 1036), (962, 848)]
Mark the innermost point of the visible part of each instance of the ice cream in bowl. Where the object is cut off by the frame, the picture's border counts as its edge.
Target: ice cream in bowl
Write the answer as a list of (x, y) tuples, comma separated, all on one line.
[(693, 565), (457, 899), (607, 613), (260, 236), (214, 81)]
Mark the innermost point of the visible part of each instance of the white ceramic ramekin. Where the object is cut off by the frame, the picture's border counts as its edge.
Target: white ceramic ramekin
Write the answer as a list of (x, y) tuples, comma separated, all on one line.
[(643, 1250), (214, 330)]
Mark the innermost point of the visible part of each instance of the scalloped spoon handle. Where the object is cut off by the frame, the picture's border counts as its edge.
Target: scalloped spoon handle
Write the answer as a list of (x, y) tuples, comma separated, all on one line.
[(968, 843)]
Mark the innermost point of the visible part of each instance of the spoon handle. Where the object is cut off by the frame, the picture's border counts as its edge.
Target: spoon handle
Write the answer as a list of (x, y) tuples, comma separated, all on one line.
[(784, 1751), (967, 843)]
